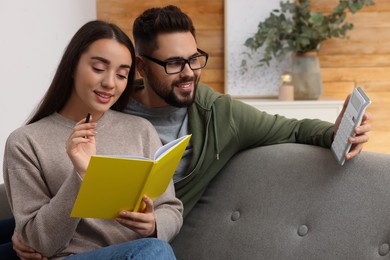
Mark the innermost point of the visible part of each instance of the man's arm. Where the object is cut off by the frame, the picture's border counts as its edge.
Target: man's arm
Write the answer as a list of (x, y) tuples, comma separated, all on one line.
[(256, 128)]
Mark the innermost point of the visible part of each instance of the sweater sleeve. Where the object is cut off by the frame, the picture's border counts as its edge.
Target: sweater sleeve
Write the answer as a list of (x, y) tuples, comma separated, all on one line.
[(42, 220), (168, 214)]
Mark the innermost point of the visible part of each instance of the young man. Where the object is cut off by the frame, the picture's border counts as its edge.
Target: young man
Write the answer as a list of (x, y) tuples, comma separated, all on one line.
[(171, 97)]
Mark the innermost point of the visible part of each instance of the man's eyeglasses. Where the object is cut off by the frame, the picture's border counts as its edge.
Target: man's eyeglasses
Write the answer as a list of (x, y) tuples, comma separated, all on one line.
[(174, 66)]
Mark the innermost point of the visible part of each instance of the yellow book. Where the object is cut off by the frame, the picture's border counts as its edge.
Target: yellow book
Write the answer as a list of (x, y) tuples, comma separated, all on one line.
[(112, 184)]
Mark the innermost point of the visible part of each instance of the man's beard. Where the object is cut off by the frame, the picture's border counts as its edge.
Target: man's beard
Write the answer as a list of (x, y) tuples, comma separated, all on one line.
[(167, 93)]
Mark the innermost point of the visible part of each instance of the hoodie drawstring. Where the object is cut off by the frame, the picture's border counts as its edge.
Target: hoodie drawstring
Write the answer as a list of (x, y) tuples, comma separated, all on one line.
[(215, 131)]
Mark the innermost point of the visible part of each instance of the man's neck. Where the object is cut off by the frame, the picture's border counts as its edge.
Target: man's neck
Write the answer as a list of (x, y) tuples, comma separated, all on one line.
[(147, 99)]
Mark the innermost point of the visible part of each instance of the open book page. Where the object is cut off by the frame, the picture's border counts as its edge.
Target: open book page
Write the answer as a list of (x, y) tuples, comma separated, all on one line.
[(159, 153), (168, 146)]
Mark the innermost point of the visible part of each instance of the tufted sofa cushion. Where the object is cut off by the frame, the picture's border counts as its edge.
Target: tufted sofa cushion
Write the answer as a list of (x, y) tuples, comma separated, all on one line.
[(292, 201)]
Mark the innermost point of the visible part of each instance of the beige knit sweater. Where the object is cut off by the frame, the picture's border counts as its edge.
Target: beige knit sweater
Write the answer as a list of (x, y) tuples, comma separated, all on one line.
[(42, 185)]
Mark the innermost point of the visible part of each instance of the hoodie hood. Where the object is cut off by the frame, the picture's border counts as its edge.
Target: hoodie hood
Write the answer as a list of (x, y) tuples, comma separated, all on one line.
[(205, 97)]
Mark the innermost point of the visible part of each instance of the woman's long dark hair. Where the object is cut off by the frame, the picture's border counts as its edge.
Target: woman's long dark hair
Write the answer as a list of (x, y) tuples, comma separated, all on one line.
[(61, 87)]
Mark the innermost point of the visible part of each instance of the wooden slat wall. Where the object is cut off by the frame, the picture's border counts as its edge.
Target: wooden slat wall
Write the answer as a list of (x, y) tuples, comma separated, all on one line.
[(363, 59), (207, 16)]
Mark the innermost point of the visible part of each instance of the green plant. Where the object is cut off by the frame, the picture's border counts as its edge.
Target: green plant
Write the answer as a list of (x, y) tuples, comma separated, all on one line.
[(295, 28)]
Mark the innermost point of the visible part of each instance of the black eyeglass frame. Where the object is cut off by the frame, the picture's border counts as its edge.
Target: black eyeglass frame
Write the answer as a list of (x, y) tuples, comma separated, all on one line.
[(186, 61)]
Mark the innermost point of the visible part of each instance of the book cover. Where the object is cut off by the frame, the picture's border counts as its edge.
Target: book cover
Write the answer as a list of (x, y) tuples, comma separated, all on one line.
[(112, 183)]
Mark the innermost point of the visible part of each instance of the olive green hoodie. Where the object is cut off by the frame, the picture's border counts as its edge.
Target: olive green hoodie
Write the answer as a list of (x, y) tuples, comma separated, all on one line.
[(222, 127)]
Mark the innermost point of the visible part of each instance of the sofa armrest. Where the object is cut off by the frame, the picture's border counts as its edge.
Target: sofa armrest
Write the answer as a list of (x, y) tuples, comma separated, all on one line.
[(5, 211)]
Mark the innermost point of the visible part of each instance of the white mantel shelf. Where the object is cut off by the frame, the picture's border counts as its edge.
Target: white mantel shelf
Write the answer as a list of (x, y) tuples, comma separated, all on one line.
[(323, 109)]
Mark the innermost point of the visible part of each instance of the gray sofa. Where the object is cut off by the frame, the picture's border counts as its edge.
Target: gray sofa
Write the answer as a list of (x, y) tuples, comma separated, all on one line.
[(290, 201)]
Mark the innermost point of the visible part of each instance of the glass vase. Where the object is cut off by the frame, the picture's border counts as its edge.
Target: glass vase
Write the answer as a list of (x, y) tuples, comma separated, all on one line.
[(306, 76)]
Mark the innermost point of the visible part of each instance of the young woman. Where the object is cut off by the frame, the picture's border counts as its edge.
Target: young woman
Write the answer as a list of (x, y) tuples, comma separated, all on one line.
[(45, 160)]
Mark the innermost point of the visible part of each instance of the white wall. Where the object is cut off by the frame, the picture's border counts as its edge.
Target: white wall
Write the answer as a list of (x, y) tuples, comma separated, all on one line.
[(33, 36)]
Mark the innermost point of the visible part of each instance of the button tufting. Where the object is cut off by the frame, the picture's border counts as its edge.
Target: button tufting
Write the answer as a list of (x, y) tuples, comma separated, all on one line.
[(302, 230), (384, 249), (235, 215)]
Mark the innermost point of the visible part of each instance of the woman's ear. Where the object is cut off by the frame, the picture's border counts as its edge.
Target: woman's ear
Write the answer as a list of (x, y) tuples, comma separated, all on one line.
[(140, 63)]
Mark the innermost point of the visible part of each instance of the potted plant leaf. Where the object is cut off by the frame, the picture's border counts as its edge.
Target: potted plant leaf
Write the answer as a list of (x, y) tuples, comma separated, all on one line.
[(296, 29)]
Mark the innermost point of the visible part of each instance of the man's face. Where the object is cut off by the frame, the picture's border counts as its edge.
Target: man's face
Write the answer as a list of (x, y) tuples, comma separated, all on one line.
[(173, 89)]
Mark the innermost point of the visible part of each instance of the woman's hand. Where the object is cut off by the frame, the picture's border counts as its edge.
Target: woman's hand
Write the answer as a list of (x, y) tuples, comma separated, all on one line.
[(81, 145), (143, 223)]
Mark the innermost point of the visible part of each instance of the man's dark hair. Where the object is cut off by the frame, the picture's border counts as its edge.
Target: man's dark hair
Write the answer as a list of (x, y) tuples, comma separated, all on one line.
[(156, 21)]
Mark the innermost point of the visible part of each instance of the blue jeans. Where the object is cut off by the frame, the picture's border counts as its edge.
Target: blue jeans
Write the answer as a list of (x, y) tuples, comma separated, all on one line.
[(145, 248)]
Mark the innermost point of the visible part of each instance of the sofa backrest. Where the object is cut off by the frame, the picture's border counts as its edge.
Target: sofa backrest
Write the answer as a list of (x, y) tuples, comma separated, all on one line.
[(292, 201)]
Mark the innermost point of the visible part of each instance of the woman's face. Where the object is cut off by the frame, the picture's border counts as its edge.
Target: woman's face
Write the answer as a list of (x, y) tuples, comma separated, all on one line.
[(99, 79)]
